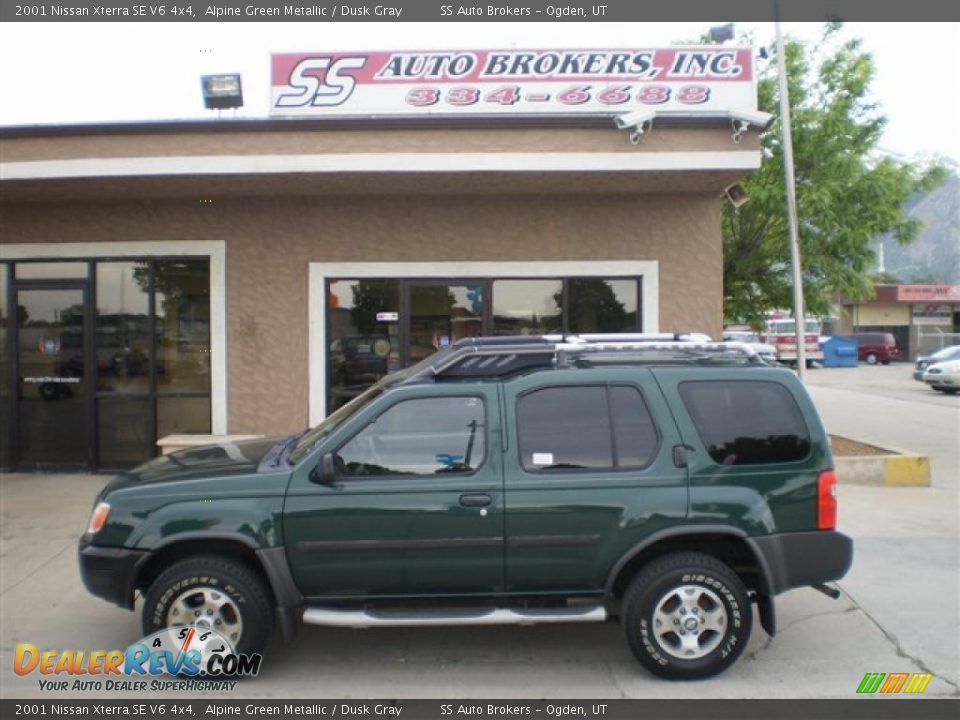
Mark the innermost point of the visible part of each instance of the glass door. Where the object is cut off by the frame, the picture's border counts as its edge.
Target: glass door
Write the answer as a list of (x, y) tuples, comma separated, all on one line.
[(52, 379), (442, 313)]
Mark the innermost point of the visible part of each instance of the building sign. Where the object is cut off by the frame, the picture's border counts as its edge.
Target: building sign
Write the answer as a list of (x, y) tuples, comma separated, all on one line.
[(928, 293), (932, 315), (522, 82)]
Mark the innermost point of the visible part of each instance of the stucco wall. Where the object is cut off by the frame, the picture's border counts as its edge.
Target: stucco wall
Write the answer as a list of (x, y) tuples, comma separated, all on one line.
[(270, 242)]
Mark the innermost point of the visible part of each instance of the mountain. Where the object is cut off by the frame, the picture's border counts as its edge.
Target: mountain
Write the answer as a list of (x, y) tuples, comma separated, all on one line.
[(934, 257)]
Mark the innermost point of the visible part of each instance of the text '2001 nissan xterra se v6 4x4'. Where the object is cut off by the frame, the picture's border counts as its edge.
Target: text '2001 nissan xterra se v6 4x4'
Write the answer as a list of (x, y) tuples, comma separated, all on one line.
[(668, 483)]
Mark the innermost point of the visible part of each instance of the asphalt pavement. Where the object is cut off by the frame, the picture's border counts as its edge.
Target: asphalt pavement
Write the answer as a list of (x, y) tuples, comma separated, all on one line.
[(899, 611)]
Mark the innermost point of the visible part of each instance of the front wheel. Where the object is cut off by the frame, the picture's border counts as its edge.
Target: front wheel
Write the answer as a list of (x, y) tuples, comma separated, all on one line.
[(687, 616), (211, 591)]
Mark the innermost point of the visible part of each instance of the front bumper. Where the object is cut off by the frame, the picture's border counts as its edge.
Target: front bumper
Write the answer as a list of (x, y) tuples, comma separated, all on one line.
[(110, 572), (942, 380), (803, 558)]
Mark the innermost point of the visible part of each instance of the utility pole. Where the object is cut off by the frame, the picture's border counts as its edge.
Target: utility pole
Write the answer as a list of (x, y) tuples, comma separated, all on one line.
[(795, 264)]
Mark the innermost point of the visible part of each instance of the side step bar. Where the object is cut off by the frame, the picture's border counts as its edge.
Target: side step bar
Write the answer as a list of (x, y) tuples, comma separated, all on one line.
[(335, 617)]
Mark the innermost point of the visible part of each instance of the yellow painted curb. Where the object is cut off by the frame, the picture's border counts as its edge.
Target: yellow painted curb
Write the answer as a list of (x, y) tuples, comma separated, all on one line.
[(906, 471)]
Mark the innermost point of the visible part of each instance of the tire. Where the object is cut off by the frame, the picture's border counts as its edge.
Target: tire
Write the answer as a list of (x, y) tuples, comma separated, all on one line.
[(248, 599), (885, 362), (871, 358), (708, 585)]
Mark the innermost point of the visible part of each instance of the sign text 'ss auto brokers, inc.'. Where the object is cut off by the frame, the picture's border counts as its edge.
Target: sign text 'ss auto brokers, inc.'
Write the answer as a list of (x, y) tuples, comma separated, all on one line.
[(522, 82)]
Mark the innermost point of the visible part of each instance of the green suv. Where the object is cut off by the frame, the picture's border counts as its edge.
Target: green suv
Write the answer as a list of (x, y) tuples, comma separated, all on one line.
[(667, 483)]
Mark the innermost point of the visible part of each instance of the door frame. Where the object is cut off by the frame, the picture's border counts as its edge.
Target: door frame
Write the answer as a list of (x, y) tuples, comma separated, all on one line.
[(320, 272), (89, 362)]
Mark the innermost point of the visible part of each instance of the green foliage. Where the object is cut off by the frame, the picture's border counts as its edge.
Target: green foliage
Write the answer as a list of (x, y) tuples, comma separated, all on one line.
[(847, 193)]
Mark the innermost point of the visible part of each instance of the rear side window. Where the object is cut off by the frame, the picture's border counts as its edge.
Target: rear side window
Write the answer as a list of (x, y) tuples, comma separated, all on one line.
[(747, 422), (585, 428)]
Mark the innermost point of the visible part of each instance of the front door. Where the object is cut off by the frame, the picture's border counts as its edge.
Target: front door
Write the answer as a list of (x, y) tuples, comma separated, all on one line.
[(415, 507), (53, 382)]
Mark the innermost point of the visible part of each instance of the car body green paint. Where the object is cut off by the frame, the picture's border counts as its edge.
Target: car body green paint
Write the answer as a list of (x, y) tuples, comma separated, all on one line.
[(543, 535)]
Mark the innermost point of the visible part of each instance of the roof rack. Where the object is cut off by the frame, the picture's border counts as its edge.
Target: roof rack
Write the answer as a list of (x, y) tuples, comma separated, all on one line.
[(508, 355)]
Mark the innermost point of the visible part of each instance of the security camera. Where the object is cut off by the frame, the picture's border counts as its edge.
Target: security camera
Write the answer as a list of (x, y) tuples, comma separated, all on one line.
[(635, 118), (638, 122), (736, 194), (760, 120), (741, 120)]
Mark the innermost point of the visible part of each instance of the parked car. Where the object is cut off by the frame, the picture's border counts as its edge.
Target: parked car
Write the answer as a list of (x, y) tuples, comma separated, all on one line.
[(944, 376), (669, 484), (767, 352), (924, 361), (876, 347)]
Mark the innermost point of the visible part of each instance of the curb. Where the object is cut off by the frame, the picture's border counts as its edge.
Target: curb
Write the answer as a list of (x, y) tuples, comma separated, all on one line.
[(906, 470)]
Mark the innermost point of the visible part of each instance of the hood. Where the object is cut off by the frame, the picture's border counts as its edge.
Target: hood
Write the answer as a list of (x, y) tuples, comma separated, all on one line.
[(205, 461)]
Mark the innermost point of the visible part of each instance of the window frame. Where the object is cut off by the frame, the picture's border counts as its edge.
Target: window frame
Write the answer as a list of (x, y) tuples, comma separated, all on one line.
[(413, 476), (616, 467), (706, 446)]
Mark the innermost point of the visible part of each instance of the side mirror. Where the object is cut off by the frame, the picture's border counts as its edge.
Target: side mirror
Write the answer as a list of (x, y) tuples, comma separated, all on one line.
[(324, 472)]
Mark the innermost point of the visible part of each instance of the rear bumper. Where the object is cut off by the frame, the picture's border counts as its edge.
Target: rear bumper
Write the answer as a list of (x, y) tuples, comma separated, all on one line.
[(109, 572), (805, 558)]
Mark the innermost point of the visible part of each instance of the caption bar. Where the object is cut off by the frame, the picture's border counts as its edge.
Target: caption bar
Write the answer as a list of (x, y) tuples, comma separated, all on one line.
[(496, 11)]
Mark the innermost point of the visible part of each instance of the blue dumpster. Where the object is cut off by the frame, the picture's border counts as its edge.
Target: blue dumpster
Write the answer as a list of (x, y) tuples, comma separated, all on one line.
[(840, 351)]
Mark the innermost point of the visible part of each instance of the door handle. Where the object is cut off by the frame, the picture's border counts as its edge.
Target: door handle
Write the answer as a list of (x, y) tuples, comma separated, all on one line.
[(680, 456), (475, 500)]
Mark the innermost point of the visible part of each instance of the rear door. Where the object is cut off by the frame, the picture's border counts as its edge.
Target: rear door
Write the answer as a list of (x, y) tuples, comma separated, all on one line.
[(589, 472)]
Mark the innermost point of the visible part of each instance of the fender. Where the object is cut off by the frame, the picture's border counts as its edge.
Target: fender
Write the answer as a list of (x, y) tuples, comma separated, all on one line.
[(765, 602), (275, 567)]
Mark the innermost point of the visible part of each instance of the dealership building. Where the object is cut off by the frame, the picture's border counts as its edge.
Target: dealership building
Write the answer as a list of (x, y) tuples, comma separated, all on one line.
[(247, 276)]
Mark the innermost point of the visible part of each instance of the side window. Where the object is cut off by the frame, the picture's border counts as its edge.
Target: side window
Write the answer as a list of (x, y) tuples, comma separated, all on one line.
[(747, 422), (634, 431), (425, 436), (569, 428)]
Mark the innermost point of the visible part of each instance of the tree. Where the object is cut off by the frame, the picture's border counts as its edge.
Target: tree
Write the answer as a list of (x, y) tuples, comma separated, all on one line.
[(848, 194)]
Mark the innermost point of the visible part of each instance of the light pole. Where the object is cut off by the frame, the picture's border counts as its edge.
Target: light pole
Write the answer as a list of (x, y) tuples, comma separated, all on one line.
[(791, 201)]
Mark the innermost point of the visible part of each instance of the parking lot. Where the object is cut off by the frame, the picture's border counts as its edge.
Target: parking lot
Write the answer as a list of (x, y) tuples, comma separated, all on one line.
[(898, 613)]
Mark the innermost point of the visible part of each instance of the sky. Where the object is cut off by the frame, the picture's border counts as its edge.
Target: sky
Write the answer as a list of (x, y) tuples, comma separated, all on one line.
[(64, 73)]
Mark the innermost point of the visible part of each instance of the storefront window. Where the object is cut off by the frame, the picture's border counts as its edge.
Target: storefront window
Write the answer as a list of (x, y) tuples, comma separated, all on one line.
[(527, 307), (364, 333), (124, 407), (182, 328), (4, 371), (601, 306), (442, 314), (109, 355)]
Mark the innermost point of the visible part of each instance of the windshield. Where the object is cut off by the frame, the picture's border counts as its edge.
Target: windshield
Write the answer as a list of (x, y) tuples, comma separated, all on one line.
[(332, 422), (310, 438)]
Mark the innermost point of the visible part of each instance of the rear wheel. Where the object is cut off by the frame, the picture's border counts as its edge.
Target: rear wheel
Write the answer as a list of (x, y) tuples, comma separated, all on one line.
[(687, 616), (871, 358), (211, 591)]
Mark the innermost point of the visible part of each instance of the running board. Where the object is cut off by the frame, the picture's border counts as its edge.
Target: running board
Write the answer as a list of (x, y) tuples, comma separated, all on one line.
[(334, 617)]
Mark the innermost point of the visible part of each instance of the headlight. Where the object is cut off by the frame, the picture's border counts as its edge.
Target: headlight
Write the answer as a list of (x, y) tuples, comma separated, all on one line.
[(99, 518)]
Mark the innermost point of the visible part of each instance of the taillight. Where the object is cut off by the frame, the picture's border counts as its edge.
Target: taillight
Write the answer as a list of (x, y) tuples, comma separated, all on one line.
[(827, 500), (99, 518)]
